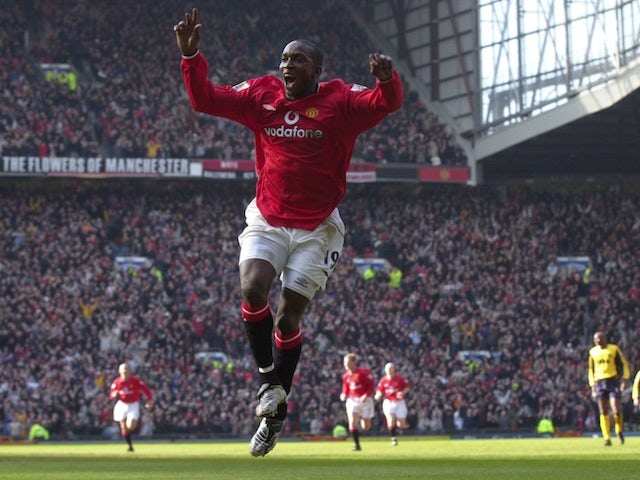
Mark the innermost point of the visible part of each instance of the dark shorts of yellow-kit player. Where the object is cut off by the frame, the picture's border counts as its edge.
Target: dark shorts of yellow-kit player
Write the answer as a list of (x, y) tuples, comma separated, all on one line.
[(608, 387)]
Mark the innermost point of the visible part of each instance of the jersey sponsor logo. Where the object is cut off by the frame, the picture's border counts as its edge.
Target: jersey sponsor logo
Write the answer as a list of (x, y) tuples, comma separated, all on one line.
[(293, 131), (241, 86), (291, 118)]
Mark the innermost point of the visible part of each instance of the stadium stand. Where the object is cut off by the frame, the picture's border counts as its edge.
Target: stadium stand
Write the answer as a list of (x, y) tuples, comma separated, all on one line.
[(129, 101), (487, 324), (491, 323)]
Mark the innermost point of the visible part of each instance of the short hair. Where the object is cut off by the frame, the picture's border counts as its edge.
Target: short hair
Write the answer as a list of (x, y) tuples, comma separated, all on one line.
[(314, 50)]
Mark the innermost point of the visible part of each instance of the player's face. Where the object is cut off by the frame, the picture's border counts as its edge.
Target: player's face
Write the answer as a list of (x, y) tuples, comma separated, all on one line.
[(298, 70), (599, 340), (124, 370), (349, 364)]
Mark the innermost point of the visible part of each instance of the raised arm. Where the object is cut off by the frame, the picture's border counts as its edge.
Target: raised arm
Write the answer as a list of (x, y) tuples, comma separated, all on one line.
[(188, 33), (381, 66), (368, 106)]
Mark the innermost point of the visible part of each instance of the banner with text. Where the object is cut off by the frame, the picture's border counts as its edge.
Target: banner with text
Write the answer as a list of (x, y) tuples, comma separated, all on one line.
[(229, 169), (215, 169), (95, 166), (246, 170)]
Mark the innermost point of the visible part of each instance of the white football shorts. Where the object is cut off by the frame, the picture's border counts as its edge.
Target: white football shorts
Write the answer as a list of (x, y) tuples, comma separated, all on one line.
[(356, 405), (398, 408), (126, 411), (303, 259)]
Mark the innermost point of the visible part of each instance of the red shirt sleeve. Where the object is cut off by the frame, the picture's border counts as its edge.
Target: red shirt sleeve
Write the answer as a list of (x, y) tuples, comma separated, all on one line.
[(145, 389), (368, 107), (345, 384), (113, 390), (232, 102), (371, 386)]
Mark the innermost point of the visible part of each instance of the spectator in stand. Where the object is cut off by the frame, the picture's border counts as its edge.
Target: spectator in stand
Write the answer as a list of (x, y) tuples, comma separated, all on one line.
[(38, 431), (393, 388), (545, 427), (358, 388), (127, 390)]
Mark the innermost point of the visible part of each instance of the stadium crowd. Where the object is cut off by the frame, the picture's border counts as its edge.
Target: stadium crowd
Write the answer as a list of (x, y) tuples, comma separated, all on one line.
[(129, 100), (486, 324)]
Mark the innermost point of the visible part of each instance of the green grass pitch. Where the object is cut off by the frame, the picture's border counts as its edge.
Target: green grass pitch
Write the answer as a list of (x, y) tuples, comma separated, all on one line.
[(413, 458)]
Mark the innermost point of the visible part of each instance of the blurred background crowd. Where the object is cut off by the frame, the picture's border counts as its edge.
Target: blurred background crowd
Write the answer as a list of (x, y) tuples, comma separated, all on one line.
[(480, 274), (487, 325), (127, 98)]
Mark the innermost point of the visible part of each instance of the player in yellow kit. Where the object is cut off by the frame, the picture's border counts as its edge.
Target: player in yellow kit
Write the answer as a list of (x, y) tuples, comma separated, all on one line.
[(608, 375), (635, 391)]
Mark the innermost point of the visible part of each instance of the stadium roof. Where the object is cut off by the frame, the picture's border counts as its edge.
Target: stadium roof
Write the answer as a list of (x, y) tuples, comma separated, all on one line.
[(603, 146)]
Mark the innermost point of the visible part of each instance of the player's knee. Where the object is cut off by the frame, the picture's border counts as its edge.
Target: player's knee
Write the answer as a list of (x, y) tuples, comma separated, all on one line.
[(256, 278), (254, 293), (287, 324)]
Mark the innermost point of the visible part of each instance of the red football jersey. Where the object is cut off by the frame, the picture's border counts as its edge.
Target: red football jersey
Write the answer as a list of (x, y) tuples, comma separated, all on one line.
[(129, 390), (303, 147), (358, 383), (390, 387)]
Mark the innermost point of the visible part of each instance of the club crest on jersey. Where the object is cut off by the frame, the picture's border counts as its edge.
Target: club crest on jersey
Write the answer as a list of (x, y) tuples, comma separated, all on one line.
[(357, 88), (241, 86), (312, 112)]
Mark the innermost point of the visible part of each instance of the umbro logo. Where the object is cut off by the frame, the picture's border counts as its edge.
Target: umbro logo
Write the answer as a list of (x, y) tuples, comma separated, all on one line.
[(266, 106), (241, 86)]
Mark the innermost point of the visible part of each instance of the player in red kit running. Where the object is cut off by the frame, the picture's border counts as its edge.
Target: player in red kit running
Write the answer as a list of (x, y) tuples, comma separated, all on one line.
[(358, 388), (126, 389), (393, 388), (305, 131)]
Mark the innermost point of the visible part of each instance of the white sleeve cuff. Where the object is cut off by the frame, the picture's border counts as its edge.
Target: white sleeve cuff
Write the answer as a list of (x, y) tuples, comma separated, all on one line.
[(191, 56)]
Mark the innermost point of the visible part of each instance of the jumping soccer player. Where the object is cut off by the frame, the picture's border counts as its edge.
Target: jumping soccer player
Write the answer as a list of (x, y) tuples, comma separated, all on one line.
[(305, 131)]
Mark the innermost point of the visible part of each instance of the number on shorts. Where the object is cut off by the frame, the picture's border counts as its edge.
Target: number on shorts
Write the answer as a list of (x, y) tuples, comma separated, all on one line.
[(331, 258)]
